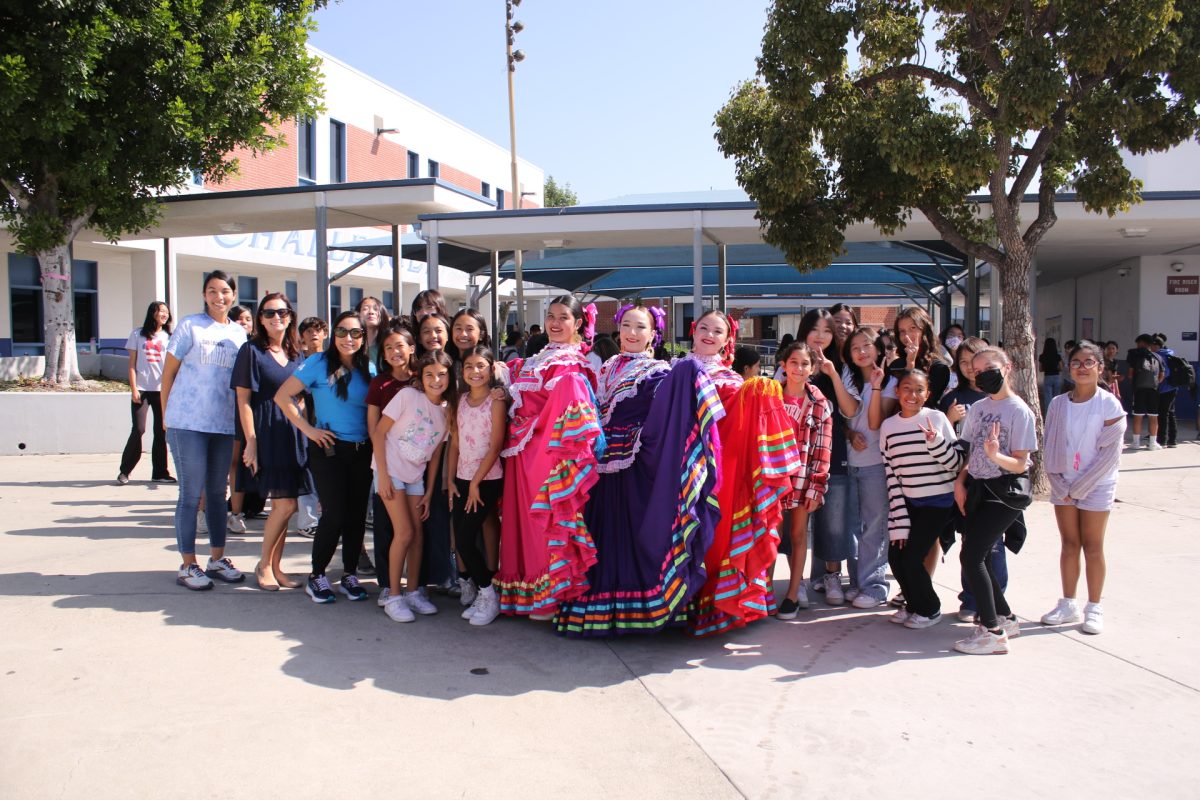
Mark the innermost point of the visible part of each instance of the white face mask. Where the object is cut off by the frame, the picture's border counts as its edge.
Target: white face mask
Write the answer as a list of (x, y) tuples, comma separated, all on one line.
[(952, 343)]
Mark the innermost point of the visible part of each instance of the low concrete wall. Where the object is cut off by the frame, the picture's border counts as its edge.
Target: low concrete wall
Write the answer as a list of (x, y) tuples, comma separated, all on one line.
[(64, 422), (108, 365)]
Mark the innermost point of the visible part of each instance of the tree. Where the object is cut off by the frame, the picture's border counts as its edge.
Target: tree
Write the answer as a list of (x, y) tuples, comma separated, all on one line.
[(105, 105), (556, 196), (1044, 92)]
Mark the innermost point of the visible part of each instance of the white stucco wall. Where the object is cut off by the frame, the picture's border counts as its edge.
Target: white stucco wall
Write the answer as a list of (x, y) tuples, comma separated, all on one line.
[(1169, 314)]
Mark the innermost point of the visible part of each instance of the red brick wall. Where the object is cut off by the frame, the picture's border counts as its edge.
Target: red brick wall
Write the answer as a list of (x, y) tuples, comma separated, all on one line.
[(460, 179), (279, 167), (374, 158)]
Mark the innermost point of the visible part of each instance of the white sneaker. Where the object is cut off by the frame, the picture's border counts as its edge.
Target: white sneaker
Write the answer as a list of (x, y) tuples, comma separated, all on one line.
[(852, 594), (833, 589), (201, 522), (235, 523), (917, 621), (398, 610), (900, 617), (802, 595), (190, 576), (223, 569), (1066, 612), (419, 603), (1135, 443), (863, 600), (966, 614), (1011, 626), (983, 643), (468, 591), (488, 607), (1153, 445), (470, 610), (384, 595), (1093, 619)]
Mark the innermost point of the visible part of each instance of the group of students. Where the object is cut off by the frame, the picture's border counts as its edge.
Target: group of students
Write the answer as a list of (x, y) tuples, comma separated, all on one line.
[(643, 495)]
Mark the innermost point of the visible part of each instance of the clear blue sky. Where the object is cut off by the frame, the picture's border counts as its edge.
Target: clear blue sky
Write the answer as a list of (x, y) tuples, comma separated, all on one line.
[(615, 96)]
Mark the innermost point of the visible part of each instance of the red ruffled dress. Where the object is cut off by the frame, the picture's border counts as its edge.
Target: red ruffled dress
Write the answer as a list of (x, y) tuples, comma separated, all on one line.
[(554, 440), (758, 457)]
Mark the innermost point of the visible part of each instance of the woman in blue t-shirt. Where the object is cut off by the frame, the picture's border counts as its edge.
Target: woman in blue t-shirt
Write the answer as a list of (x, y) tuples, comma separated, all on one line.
[(339, 450), (199, 411)]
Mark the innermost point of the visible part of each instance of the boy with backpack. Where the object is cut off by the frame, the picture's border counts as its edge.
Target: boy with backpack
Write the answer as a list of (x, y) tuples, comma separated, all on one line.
[(1146, 373), (1178, 374)]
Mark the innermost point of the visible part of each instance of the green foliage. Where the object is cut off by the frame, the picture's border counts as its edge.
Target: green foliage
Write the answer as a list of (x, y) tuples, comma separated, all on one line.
[(556, 196), (104, 105), (951, 98)]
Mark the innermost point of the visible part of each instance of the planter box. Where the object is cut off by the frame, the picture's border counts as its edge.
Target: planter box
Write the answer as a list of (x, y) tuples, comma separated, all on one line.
[(107, 365), (65, 422)]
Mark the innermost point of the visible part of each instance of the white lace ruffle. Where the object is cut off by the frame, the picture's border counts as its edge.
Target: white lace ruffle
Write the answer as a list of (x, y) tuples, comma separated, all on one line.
[(610, 467), (529, 378), (608, 405)]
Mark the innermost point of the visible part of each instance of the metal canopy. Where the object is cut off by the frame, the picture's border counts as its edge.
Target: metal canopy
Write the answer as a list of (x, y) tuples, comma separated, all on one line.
[(414, 248), (882, 270)]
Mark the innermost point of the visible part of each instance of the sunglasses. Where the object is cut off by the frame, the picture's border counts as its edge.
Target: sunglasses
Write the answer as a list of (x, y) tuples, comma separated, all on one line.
[(353, 333), (272, 313)]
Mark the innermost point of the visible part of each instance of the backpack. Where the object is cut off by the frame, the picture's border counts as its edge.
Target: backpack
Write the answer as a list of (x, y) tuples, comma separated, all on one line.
[(1181, 372)]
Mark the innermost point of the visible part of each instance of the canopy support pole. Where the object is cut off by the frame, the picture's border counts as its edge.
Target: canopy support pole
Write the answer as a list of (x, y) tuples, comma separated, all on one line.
[(431, 257), (322, 226), (722, 283), (697, 265), (397, 284), (971, 314), (498, 335)]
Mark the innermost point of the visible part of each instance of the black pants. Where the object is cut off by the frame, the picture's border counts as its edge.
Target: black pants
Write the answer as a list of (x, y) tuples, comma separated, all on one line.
[(343, 487), (908, 562), (982, 528), (1166, 417), (381, 528), (468, 528), (150, 401), (437, 557)]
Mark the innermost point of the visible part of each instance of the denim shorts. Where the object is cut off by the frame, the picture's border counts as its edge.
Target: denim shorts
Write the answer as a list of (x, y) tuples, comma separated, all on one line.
[(1100, 498), (416, 488)]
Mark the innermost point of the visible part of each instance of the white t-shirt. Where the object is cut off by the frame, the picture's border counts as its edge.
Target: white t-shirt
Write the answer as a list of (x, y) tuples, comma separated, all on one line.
[(419, 428), (149, 355), (1085, 423), (1017, 432)]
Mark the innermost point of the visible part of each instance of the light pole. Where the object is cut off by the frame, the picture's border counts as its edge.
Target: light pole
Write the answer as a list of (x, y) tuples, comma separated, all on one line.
[(511, 29)]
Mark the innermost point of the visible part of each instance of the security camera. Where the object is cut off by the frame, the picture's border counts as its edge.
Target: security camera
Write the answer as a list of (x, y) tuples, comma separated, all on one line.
[(1177, 266), (1123, 272)]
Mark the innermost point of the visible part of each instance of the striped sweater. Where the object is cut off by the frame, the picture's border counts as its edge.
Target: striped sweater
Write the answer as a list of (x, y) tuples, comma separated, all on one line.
[(916, 468)]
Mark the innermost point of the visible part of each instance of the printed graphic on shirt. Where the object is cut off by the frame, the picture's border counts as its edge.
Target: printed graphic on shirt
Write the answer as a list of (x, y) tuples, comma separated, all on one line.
[(154, 351)]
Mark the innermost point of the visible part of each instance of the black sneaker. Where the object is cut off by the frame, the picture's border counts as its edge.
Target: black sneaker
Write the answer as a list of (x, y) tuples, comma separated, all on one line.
[(351, 587), (365, 566), (319, 590), (787, 609), (164, 479)]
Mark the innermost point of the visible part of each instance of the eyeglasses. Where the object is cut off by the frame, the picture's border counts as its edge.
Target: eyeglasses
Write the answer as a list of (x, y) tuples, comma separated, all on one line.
[(272, 313), (353, 333), (1088, 364)]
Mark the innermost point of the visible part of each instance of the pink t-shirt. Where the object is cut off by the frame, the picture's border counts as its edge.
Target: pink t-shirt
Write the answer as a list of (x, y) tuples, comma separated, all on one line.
[(419, 427), (475, 439)]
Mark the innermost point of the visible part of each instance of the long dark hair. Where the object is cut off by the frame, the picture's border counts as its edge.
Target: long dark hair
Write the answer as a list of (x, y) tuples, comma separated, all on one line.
[(395, 325), (849, 309), (428, 296), (856, 376), (440, 358), (1050, 349), (150, 325), (484, 338), (486, 354), (360, 362), (384, 316), (927, 352), (440, 318), (808, 322), (972, 345), (291, 341)]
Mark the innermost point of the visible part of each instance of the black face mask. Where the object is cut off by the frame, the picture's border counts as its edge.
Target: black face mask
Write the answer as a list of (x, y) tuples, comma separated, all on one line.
[(990, 381)]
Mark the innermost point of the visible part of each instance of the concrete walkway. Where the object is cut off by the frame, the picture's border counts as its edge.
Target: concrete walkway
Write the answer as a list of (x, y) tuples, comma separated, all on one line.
[(114, 682)]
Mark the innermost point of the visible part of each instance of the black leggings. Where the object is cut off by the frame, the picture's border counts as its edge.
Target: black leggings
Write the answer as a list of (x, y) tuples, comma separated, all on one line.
[(468, 528), (908, 562), (982, 528), (1167, 433), (150, 401), (343, 487)]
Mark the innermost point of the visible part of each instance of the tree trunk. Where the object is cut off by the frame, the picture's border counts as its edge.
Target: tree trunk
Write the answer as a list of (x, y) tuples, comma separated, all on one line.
[(1018, 338), (58, 310)]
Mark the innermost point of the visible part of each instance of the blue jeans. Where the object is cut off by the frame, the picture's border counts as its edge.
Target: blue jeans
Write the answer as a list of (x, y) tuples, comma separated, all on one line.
[(834, 526), (870, 568), (998, 561), (202, 469)]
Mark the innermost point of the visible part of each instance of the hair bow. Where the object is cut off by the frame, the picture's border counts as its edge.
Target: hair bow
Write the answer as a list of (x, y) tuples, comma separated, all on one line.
[(589, 326)]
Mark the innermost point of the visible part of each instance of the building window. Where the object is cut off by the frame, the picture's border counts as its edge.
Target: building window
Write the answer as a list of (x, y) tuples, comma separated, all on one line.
[(389, 301), (356, 296), (197, 178), (337, 151), (335, 302), (289, 291), (247, 289), (414, 165), (500, 198), (25, 303), (306, 139), (486, 189), (435, 169)]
